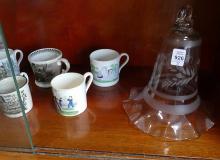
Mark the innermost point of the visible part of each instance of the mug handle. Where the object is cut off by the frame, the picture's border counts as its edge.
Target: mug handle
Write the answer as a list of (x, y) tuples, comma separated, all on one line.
[(25, 75), (67, 64), (21, 55), (90, 75), (125, 62)]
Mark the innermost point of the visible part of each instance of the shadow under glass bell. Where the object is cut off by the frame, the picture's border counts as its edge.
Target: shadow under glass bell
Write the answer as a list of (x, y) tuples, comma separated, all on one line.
[(169, 106)]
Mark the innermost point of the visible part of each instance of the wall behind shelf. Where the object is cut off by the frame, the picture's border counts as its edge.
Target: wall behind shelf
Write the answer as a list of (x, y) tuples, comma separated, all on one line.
[(78, 27)]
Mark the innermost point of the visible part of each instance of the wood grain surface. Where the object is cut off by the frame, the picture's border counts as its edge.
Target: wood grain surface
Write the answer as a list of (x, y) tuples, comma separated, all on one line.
[(81, 26), (28, 156), (104, 130)]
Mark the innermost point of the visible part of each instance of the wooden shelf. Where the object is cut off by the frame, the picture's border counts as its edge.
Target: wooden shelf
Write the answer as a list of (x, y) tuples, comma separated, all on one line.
[(104, 130)]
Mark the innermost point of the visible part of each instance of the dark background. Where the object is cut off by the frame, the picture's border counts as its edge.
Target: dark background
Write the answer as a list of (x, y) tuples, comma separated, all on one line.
[(78, 27)]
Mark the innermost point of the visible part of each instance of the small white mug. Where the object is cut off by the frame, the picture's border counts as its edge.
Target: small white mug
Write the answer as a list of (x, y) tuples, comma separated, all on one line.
[(105, 66), (9, 101), (16, 57), (46, 63), (69, 91)]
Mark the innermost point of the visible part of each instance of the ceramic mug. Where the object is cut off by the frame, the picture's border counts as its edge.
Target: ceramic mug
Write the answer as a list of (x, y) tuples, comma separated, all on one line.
[(105, 66), (69, 91), (16, 57), (9, 101), (46, 63)]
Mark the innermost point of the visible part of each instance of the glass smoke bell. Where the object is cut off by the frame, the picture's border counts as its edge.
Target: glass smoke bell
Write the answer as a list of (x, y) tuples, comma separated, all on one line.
[(169, 106)]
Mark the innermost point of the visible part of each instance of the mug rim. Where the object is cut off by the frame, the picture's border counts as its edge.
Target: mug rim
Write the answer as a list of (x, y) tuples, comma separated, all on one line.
[(96, 52), (53, 86), (45, 61), (11, 52), (5, 79)]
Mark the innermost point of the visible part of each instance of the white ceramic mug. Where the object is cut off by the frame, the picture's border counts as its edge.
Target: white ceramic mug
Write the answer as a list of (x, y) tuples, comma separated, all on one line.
[(16, 57), (105, 66), (46, 63), (9, 101), (69, 91)]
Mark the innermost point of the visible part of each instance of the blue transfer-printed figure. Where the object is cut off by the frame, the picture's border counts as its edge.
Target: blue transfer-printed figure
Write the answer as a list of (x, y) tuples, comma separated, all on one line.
[(60, 102), (70, 104)]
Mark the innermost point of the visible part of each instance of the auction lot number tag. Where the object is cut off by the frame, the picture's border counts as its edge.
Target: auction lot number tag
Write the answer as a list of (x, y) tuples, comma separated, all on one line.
[(178, 57)]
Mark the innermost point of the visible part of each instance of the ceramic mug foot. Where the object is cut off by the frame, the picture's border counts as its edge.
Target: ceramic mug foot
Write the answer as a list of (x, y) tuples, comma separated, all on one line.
[(71, 114), (108, 84), (19, 114), (42, 85)]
